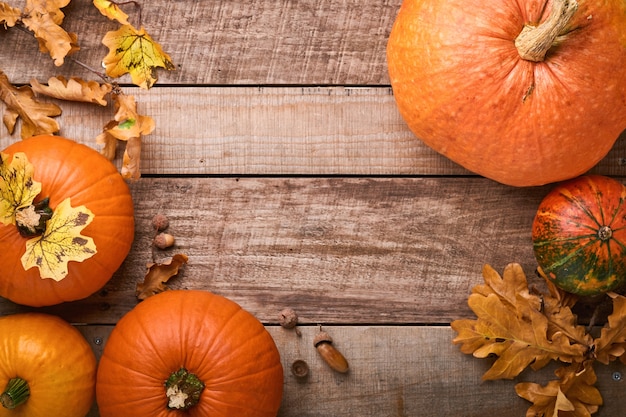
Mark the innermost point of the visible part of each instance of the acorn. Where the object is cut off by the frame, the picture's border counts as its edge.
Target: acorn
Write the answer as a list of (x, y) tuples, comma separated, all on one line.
[(324, 345)]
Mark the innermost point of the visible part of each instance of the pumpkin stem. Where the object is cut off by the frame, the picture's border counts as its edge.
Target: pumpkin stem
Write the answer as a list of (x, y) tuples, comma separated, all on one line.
[(183, 390), (605, 233), (15, 393), (31, 220), (533, 42)]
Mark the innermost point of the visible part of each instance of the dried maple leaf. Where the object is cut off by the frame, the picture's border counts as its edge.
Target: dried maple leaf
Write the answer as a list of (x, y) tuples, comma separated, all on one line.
[(128, 125), (612, 341), (511, 326), (74, 89), (134, 51), (573, 394), (111, 10), (36, 116), (9, 16), (43, 18), (158, 274)]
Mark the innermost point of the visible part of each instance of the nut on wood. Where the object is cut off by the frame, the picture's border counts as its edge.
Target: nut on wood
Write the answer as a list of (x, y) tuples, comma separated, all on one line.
[(324, 345)]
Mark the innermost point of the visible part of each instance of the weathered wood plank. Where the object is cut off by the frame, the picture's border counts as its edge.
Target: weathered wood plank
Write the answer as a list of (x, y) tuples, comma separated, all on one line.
[(231, 42), (400, 371), (339, 250), (276, 131)]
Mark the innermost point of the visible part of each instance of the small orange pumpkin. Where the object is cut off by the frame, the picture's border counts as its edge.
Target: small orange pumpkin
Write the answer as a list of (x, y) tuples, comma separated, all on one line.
[(47, 368), (66, 221), (193, 353), (524, 92)]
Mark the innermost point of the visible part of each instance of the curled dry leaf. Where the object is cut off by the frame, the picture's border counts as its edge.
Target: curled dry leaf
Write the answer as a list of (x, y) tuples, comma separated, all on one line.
[(21, 103), (158, 274), (574, 392), (111, 10), (74, 89), (128, 125), (43, 18), (612, 341)]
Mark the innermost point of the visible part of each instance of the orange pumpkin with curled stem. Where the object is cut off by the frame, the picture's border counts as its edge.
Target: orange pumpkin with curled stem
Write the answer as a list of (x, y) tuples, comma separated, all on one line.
[(525, 92), (192, 353), (66, 221), (47, 368)]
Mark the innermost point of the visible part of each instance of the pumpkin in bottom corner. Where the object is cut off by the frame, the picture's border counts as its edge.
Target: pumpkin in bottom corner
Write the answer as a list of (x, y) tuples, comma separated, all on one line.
[(47, 368), (192, 353)]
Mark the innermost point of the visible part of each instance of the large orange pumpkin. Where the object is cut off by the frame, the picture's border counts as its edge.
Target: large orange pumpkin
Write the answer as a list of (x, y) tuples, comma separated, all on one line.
[(519, 111), (47, 368), (75, 217), (192, 353)]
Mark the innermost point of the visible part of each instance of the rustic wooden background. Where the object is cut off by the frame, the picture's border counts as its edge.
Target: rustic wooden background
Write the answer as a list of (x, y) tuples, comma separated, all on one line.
[(290, 180)]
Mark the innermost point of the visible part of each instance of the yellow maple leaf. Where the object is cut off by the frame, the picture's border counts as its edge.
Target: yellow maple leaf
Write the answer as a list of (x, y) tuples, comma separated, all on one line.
[(111, 10), (43, 18), (9, 16), (135, 52), (61, 242), (17, 186), (74, 89), (20, 102)]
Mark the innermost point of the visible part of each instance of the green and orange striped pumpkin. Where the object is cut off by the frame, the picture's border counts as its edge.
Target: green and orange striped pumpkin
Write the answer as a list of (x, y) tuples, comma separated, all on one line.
[(579, 235)]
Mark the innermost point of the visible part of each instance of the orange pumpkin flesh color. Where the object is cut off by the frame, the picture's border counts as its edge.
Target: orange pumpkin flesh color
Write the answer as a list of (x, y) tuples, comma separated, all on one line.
[(182, 344), (463, 88), (579, 235), (67, 169), (52, 359)]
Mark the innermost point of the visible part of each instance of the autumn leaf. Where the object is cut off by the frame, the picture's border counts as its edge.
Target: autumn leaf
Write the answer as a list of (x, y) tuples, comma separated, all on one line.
[(111, 10), (17, 187), (43, 18), (612, 341), (74, 89), (511, 327), (36, 116), (9, 16), (135, 52), (574, 392), (158, 274), (61, 242), (129, 126)]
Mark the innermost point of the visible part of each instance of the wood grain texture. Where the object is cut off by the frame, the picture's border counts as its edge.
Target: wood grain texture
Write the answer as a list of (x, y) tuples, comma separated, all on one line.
[(276, 131), (339, 250), (319, 42), (397, 372)]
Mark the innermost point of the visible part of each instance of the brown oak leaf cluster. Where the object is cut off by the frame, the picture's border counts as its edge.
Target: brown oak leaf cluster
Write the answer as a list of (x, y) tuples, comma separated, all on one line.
[(131, 51), (523, 327)]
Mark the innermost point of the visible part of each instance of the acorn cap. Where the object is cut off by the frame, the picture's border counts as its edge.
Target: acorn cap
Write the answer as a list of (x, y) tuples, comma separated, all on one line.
[(322, 337)]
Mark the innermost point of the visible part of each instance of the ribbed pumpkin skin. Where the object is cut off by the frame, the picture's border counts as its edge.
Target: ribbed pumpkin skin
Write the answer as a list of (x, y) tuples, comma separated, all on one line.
[(210, 336), (66, 168), (566, 238), (55, 360), (463, 89)]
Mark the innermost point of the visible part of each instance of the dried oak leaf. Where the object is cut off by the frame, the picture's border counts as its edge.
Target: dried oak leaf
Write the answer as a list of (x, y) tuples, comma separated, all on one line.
[(158, 274), (135, 52), (74, 89), (573, 394), (129, 126), (9, 16), (20, 102), (511, 326), (111, 10), (612, 341), (43, 18)]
